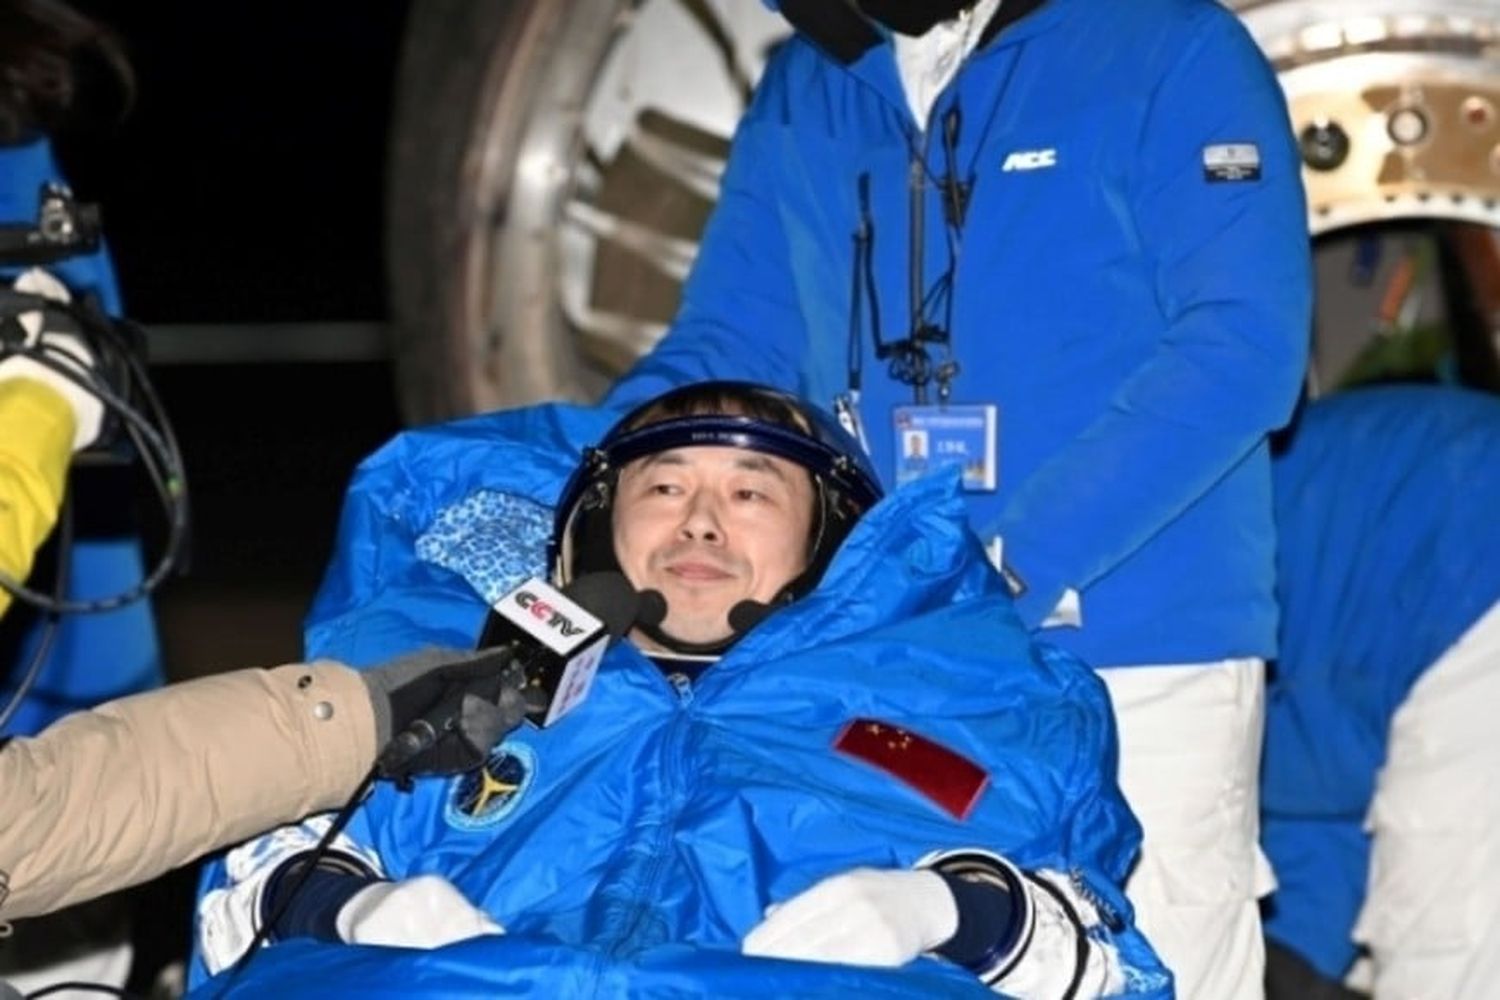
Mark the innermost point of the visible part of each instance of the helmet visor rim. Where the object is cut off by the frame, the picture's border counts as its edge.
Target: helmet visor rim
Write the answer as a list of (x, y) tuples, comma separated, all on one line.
[(747, 434)]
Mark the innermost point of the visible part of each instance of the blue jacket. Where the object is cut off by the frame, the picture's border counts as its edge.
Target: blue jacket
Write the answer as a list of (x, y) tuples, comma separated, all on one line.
[(645, 833), (76, 676), (1140, 326), (1388, 508)]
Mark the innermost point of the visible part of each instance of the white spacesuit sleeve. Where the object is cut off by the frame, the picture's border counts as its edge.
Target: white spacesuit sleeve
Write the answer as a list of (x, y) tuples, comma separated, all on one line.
[(229, 917)]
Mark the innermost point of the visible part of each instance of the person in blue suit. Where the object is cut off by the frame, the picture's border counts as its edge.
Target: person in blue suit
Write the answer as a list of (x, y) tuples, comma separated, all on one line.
[(1067, 240), (1380, 809), (836, 763)]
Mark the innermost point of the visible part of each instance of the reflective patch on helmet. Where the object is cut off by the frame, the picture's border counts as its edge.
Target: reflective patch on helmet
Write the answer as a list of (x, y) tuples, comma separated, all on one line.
[(484, 797), (493, 540)]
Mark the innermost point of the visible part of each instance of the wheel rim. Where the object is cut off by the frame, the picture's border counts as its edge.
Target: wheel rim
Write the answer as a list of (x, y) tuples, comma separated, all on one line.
[(555, 284)]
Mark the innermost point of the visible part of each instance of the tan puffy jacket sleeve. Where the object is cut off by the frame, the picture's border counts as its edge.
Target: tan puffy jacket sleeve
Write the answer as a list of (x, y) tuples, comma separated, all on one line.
[(109, 798)]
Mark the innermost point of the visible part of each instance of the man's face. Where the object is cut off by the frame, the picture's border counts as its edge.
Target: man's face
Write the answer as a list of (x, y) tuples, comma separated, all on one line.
[(710, 527)]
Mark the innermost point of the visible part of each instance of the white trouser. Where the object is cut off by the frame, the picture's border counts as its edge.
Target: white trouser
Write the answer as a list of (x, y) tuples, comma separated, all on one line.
[(1190, 738), (1431, 917)]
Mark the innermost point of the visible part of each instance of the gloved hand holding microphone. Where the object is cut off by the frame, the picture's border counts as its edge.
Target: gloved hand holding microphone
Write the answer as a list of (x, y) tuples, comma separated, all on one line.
[(437, 712)]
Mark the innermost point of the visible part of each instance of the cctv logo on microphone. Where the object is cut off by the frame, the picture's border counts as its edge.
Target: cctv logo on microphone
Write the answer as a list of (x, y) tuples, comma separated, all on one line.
[(542, 612)]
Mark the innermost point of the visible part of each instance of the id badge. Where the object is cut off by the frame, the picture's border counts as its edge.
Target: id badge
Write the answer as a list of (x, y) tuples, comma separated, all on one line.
[(934, 437)]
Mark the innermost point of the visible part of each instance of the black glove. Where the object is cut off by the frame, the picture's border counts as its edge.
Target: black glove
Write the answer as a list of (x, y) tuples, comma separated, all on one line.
[(468, 700)]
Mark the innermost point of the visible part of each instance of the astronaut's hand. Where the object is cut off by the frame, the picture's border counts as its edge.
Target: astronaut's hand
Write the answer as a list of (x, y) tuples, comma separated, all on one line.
[(867, 916), (44, 335), (422, 912)]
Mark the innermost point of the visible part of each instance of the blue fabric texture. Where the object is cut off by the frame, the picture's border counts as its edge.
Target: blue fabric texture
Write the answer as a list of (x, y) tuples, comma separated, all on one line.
[(98, 656), (492, 539), (1140, 326), (635, 842), (1386, 502), (524, 965)]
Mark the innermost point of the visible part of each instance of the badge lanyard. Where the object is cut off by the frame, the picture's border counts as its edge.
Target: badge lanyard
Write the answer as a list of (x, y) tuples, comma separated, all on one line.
[(861, 289), (909, 360)]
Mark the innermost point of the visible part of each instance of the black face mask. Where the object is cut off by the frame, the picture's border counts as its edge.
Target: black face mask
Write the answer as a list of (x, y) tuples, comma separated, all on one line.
[(912, 17)]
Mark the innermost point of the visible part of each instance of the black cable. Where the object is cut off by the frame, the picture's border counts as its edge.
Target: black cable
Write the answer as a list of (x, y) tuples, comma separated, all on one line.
[(911, 363), (177, 517), (1081, 934), (114, 991), (151, 434), (855, 354), (50, 629), (867, 265), (284, 898)]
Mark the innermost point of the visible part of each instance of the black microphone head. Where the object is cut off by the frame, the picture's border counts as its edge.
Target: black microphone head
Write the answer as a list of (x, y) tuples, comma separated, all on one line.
[(608, 597), (747, 614), (653, 608)]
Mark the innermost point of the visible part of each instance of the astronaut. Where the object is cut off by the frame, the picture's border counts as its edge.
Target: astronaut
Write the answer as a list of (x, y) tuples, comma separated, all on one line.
[(806, 757)]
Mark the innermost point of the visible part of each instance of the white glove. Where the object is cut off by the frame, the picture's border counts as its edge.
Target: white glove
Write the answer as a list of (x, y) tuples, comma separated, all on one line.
[(427, 911), (65, 348), (867, 916)]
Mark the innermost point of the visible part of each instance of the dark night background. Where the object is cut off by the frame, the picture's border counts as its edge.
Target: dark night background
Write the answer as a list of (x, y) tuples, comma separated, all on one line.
[(245, 188)]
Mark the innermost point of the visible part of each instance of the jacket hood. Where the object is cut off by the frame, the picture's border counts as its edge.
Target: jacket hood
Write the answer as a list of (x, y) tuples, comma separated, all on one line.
[(461, 513), (844, 32), (913, 552)]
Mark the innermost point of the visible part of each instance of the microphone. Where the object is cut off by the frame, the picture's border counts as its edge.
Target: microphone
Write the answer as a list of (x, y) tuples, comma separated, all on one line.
[(560, 637), (653, 608), (540, 649), (652, 612)]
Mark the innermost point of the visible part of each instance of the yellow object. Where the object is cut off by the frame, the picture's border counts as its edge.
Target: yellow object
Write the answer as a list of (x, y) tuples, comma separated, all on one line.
[(36, 445)]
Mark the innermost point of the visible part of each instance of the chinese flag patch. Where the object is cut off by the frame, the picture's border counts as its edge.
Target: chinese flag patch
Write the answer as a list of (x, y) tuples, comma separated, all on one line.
[(951, 780)]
